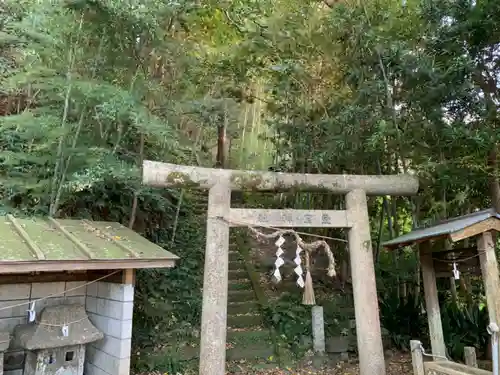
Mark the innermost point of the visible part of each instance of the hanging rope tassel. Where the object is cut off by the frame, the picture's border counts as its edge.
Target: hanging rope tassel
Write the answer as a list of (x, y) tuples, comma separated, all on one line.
[(308, 297)]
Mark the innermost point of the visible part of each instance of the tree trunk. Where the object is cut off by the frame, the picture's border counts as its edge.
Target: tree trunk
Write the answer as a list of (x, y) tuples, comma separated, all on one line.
[(494, 181), (416, 222), (465, 284), (379, 236), (395, 253), (404, 290), (453, 290), (221, 146), (344, 272), (465, 289), (133, 211)]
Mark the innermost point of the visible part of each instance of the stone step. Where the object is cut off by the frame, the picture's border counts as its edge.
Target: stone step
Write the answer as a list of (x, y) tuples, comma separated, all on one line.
[(244, 321), (250, 353), (237, 266), (259, 365), (337, 344), (242, 308), (241, 296), (344, 312), (263, 349), (246, 337), (240, 285), (186, 353), (234, 256), (259, 350), (288, 283), (237, 274)]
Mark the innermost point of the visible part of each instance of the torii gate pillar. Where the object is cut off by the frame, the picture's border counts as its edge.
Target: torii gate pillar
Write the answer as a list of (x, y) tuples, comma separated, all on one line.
[(221, 182), (368, 331)]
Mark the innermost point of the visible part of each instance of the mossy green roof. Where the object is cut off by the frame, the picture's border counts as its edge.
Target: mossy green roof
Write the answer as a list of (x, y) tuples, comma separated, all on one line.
[(46, 244)]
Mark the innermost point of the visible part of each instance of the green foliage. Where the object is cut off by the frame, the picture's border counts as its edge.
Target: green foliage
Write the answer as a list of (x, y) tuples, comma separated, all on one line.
[(403, 319), (291, 320), (89, 106), (168, 301), (338, 311), (464, 326), (84, 90), (395, 269), (163, 363)]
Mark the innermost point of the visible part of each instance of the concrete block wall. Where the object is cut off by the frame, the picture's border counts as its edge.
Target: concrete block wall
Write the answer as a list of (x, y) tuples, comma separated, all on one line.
[(110, 308), (22, 295)]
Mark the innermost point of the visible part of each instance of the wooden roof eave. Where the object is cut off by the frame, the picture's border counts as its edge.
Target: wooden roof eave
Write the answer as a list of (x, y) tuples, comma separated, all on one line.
[(83, 265), (492, 223), (487, 225), (415, 242), (456, 228)]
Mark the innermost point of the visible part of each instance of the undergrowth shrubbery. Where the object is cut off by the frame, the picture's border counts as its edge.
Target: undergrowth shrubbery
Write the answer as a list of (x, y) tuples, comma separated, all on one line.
[(464, 324), (403, 319), (168, 313), (291, 321), (167, 308)]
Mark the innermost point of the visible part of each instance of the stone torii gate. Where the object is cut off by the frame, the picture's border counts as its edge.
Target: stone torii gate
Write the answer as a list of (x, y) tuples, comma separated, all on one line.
[(221, 182)]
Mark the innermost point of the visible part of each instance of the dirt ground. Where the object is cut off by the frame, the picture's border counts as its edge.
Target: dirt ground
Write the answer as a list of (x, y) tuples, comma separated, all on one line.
[(398, 364)]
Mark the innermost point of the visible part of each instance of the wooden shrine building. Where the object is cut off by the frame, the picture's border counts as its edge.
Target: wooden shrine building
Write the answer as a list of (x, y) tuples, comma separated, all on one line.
[(465, 243)]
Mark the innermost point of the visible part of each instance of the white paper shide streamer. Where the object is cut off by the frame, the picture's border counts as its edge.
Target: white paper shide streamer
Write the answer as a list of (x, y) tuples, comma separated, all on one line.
[(65, 330), (298, 270), (31, 312), (279, 261), (456, 272)]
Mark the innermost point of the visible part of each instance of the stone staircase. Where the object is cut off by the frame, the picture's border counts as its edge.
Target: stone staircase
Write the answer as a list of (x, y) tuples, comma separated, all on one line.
[(246, 337), (242, 309)]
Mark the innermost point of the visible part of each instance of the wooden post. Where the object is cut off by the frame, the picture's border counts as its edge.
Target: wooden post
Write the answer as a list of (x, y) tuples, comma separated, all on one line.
[(470, 356), (128, 276), (432, 302), (417, 359), (491, 279), (370, 349), (215, 283), (453, 286)]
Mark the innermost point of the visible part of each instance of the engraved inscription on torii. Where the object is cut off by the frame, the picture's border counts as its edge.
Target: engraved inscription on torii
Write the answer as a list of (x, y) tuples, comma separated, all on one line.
[(288, 218)]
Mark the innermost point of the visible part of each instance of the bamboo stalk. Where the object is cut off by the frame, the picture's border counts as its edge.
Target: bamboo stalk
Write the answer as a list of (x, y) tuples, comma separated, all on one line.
[(62, 138)]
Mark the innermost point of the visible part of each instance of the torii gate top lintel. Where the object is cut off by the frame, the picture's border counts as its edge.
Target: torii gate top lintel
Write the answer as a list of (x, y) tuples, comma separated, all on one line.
[(164, 175)]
